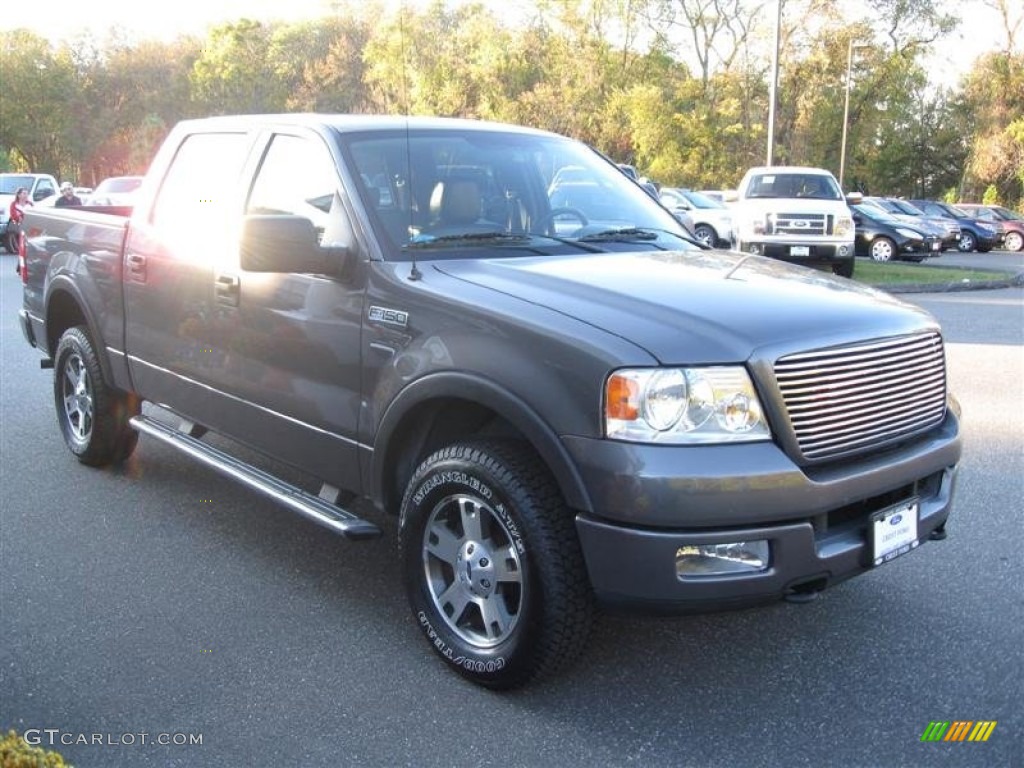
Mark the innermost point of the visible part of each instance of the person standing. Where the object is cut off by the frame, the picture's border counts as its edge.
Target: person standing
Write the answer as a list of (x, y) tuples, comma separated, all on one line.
[(17, 213), (67, 196)]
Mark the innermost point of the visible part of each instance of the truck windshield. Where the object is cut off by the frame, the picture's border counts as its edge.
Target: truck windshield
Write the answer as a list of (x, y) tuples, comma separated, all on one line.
[(10, 183), (454, 191), (787, 185)]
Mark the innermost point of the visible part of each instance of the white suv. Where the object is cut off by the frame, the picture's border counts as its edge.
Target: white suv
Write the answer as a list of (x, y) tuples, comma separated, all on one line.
[(796, 214), (712, 220)]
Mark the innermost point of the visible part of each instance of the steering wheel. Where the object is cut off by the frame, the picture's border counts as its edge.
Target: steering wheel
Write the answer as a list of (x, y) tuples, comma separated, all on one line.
[(546, 221)]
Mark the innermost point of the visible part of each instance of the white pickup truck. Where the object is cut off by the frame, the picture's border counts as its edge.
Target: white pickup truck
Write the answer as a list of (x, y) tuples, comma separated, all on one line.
[(39, 185), (796, 214)]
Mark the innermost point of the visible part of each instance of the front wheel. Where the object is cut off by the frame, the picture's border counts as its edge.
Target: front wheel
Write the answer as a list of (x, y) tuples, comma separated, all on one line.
[(705, 235), (883, 249), (93, 416), (843, 268), (492, 564), (967, 243), (1014, 241)]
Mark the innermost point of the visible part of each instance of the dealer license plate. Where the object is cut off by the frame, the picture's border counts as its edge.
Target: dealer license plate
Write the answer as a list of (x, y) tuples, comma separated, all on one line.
[(893, 532), (799, 250)]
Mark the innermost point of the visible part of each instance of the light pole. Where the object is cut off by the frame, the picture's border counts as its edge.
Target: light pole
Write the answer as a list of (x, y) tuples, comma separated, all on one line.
[(846, 110), (775, 83)]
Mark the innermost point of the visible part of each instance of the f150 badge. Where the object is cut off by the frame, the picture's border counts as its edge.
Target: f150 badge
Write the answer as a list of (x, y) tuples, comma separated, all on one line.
[(387, 316)]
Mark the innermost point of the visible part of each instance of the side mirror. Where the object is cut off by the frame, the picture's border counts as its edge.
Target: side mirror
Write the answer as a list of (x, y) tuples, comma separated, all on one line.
[(279, 243), (854, 198), (730, 196)]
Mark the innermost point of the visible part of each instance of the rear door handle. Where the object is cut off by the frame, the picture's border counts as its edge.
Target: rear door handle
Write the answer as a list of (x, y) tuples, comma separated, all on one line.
[(228, 290), (136, 265)]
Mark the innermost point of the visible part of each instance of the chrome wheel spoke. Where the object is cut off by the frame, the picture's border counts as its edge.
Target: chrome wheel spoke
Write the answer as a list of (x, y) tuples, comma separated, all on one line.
[(471, 522), (496, 618), (506, 566), (442, 543), (453, 601)]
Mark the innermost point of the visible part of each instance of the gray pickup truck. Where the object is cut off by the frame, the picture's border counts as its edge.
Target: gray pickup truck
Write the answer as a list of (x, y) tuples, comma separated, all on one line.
[(562, 405)]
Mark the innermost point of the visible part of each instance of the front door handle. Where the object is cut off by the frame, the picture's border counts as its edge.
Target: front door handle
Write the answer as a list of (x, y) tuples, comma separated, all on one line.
[(228, 290)]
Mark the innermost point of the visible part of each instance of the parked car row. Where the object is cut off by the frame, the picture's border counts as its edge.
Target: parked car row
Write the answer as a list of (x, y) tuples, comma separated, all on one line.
[(883, 236)]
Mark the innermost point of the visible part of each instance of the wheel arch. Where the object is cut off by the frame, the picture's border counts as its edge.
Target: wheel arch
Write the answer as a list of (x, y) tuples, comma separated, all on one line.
[(443, 408), (65, 309)]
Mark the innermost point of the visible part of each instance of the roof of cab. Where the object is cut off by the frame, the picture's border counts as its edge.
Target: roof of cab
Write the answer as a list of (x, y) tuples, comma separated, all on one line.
[(344, 123)]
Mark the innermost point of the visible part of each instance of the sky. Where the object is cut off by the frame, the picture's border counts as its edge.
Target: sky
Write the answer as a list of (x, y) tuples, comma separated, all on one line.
[(63, 19)]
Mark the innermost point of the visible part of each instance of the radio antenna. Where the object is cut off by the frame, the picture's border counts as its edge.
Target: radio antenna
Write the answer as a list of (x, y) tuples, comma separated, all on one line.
[(415, 273)]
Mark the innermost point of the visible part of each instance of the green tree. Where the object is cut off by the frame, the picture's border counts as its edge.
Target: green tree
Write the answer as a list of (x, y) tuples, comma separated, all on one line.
[(39, 83), (234, 74)]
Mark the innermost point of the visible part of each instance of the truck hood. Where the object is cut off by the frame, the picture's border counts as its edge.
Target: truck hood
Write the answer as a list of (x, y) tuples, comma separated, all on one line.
[(697, 307)]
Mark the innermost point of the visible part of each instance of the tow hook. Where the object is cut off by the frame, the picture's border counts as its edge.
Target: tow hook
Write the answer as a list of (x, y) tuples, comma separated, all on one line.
[(806, 591), (939, 534)]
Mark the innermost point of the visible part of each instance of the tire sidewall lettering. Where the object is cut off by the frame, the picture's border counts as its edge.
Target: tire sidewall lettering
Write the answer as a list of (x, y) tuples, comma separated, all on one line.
[(478, 666), (446, 477)]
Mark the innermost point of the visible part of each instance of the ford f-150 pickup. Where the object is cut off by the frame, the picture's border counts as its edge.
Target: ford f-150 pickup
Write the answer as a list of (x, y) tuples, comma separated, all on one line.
[(561, 405)]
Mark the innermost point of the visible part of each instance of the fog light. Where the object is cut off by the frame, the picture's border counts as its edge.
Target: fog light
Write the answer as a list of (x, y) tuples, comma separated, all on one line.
[(739, 557), (755, 249), (844, 250)]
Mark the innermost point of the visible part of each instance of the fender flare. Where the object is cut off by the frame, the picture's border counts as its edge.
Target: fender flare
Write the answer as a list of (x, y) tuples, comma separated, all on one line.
[(62, 284), (489, 394)]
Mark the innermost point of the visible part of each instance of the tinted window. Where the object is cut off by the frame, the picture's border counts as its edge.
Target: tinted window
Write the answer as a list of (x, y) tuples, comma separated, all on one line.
[(450, 190), (297, 177), (781, 184)]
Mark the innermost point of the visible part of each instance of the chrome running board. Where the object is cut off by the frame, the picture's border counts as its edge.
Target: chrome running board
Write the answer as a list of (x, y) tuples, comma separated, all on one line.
[(319, 509)]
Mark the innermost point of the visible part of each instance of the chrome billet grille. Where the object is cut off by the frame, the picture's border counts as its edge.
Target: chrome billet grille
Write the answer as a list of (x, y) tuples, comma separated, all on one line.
[(847, 400), (800, 224)]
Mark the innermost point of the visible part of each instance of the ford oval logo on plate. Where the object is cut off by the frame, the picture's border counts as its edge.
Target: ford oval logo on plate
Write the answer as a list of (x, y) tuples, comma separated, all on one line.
[(896, 520)]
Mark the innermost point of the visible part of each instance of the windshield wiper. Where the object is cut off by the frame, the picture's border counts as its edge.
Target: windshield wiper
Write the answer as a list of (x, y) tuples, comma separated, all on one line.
[(620, 234), (430, 241), (512, 239)]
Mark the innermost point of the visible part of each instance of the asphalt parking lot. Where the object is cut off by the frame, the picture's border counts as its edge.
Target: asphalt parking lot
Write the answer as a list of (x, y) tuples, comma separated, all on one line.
[(160, 599)]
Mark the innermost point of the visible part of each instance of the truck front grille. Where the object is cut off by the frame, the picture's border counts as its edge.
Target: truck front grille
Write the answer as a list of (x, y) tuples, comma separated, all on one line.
[(800, 224), (847, 400)]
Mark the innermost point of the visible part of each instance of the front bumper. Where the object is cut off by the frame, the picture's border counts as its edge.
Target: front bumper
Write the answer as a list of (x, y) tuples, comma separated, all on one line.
[(816, 521), (801, 252)]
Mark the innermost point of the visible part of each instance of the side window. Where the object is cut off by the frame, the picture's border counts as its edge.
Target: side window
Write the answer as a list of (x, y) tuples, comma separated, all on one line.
[(297, 178), (195, 196), (44, 190)]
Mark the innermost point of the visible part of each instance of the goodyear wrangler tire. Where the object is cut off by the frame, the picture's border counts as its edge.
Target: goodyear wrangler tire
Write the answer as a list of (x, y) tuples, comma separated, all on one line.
[(492, 564), (93, 416)]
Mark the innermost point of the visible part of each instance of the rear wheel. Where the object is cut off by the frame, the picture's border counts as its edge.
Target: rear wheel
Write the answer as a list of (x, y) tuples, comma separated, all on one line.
[(1014, 241), (883, 249), (93, 416), (492, 564)]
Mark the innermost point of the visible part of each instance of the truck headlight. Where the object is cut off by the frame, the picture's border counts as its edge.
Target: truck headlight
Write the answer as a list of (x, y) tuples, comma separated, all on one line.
[(683, 406), (844, 226)]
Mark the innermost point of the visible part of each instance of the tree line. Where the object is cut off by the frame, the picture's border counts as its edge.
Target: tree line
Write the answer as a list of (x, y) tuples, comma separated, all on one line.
[(678, 88)]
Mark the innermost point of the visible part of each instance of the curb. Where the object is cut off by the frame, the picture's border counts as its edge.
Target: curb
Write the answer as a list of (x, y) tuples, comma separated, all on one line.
[(1007, 280)]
